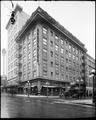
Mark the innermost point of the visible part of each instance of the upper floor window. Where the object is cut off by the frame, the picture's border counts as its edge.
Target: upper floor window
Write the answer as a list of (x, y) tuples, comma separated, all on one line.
[(56, 47), (73, 49), (34, 42), (56, 37), (51, 42), (45, 41), (34, 31), (29, 46), (34, 52), (62, 50), (51, 53), (51, 63), (62, 42), (73, 57), (51, 33), (69, 47), (29, 37), (76, 51), (44, 50), (69, 54), (34, 64), (29, 56), (44, 30)]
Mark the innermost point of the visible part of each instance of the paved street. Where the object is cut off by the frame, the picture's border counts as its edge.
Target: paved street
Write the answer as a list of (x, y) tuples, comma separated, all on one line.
[(24, 107)]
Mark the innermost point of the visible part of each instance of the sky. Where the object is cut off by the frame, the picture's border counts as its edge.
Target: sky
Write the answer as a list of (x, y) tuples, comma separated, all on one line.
[(78, 17)]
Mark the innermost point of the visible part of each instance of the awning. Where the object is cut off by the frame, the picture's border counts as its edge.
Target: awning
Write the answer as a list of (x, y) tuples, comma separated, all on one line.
[(49, 86), (89, 88), (33, 85)]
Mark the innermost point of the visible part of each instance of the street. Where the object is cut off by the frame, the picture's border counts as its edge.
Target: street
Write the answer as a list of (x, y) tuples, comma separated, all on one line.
[(24, 107)]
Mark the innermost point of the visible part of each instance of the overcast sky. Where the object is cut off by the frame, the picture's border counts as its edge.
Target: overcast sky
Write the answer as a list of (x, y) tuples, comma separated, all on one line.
[(77, 17)]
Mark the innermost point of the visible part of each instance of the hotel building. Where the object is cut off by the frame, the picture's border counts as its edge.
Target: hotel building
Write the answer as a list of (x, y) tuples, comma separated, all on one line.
[(46, 56)]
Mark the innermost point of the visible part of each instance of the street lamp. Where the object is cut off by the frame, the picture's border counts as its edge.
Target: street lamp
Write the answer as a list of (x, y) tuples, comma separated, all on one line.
[(28, 87), (47, 83), (79, 82)]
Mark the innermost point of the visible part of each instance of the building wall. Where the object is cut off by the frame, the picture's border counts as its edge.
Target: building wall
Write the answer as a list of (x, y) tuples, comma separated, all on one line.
[(54, 57), (89, 67), (13, 46), (59, 58)]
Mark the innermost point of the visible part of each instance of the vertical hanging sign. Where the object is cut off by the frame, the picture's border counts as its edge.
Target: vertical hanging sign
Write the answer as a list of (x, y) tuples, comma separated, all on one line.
[(38, 46)]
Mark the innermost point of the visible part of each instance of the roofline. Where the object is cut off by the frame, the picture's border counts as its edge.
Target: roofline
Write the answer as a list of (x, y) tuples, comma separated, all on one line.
[(36, 12), (90, 57)]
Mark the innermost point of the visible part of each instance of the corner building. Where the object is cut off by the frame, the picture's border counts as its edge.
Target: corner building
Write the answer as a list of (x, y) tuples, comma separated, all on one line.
[(49, 56)]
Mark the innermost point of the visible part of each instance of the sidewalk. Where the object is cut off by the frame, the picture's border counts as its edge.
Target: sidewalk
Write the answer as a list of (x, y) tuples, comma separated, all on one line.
[(37, 96), (81, 101), (57, 98)]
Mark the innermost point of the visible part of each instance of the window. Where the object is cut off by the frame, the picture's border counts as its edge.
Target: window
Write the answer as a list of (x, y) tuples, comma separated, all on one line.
[(66, 44), (24, 68), (44, 73), (24, 76), (29, 56), (56, 57), (77, 58), (67, 69), (51, 53), (34, 42), (56, 47), (62, 42), (24, 42), (44, 50), (51, 64), (62, 50), (29, 46), (69, 47), (45, 41), (34, 64), (62, 69), (73, 49), (34, 32), (34, 74), (51, 42), (44, 30), (51, 33), (24, 50), (29, 75), (66, 60), (29, 66), (57, 68), (62, 59), (56, 37), (34, 52), (51, 74), (29, 37), (76, 51), (44, 65), (69, 54), (24, 59), (66, 77), (73, 57), (66, 52)]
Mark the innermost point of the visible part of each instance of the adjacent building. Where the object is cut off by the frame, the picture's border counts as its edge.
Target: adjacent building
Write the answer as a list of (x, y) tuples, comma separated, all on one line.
[(43, 55), (20, 19), (90, 65)]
